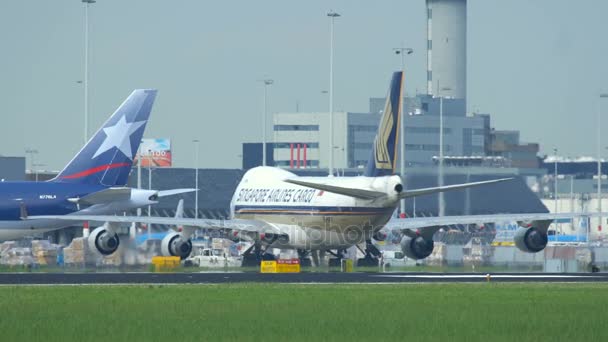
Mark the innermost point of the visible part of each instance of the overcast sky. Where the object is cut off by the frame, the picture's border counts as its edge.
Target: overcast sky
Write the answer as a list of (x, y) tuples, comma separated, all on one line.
[(535, 65)]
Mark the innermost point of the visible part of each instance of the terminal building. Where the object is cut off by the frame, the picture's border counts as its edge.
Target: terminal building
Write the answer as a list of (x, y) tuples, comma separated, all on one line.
[(12, 168), (301, 140)]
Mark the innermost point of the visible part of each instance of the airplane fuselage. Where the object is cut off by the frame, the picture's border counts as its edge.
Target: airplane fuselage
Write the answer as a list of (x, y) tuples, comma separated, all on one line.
[(312, 219), (19, 200)]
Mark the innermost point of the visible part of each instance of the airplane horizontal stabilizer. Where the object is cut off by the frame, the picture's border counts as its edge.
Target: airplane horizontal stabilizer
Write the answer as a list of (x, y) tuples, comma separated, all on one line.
[(165, 193), (357, 193), (427, 191), (104, 196)]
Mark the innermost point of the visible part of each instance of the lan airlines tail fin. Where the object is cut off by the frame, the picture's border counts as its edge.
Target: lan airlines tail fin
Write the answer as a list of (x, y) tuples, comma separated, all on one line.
[(107, 157), (383, 159)]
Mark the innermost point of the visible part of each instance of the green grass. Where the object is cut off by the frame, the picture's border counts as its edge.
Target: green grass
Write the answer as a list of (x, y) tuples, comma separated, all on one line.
[(245, 312)]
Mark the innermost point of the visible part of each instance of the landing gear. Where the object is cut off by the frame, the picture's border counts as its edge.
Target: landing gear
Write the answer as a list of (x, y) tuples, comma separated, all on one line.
[(303, 255), (253, 256), (337, 261), (256, 254), (372, 253), (318, 257)]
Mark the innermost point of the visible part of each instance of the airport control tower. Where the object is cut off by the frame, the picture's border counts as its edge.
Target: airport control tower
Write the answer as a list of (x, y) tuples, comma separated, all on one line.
[(447, 48)]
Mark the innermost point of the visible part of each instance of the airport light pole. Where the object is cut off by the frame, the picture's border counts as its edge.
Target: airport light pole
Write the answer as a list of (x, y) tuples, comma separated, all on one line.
[(332, 15), (149, 188), (267, 82), (599, 161), (86, 68), (440, 173), (555, 186), (36, 166), (403, 51), (139, 161), (196, 146), (323, 94), (134, 225)]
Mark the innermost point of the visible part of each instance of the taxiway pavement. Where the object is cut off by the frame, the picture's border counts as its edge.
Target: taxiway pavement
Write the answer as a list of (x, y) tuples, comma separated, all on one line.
[(303, 278)]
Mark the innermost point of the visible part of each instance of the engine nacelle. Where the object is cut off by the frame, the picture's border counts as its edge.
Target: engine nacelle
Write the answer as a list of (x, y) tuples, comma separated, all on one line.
[(268, 238), (417, 248), (239, 235), (380, 235), (103, 241), (174, 244), (531, 240)]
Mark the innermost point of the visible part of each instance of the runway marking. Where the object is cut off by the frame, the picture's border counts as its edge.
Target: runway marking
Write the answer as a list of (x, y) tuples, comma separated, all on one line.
[(493, 276), (161, 279)]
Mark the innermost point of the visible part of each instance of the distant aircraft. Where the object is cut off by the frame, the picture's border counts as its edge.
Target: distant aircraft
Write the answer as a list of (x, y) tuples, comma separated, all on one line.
[(92, 183), (275, 208)]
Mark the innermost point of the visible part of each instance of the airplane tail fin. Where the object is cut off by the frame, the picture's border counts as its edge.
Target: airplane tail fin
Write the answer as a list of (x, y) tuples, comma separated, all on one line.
[(382, 161), (107, 157), (179, 211)]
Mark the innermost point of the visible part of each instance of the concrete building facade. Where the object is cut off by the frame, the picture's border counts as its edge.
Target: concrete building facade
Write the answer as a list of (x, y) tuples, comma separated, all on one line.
[(354, 134), (310, 131)]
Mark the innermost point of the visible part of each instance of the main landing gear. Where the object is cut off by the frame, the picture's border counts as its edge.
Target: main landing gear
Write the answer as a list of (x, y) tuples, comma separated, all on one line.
[(337, 261), (372, 254), (304, 256), (253, 256)]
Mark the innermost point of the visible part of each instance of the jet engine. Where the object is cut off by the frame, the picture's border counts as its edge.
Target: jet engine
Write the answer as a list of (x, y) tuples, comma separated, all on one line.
[(532, 237), (417, 248), (530, 240), (103, 241), (174, 244), (268, 237), (380, 235)]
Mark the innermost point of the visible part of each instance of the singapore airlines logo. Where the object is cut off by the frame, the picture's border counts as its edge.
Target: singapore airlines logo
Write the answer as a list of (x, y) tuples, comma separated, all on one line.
[(382, 155)]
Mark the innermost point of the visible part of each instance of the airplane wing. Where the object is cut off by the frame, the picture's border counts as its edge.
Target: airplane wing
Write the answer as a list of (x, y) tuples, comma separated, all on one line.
[(429, 225), (422, 222), (253, 226), (120, 194), (104, 196)]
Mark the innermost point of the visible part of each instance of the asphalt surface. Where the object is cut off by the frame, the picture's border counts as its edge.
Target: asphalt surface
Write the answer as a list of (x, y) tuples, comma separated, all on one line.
[(302, 278)]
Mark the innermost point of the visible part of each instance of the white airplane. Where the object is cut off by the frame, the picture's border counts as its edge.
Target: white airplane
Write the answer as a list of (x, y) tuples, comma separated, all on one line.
[(275, 208)]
